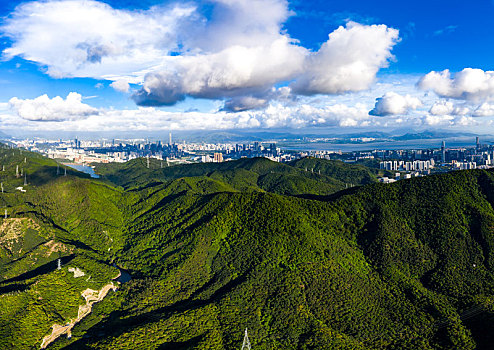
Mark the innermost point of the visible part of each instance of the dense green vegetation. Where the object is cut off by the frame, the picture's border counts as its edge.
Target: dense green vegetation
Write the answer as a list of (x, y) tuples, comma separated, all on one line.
[(217, 248)]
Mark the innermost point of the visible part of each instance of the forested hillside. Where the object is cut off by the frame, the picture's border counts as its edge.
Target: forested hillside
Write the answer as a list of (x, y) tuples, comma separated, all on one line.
[(297, 257)]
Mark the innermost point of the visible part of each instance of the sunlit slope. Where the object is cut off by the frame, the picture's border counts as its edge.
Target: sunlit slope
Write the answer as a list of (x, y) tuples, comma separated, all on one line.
[(389, 266), (247, 174), (349, 173), (38, 231)]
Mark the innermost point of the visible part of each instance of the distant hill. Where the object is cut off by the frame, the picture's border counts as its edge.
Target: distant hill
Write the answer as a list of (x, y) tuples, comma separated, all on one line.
[(258, 174), (349, 173)]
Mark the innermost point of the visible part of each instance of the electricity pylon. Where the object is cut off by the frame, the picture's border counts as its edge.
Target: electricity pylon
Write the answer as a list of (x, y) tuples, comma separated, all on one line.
[(246, 344)]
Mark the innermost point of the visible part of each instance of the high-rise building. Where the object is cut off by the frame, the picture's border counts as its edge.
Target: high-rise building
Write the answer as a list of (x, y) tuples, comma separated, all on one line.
[(477, 142), (443, 152), (218, 157)]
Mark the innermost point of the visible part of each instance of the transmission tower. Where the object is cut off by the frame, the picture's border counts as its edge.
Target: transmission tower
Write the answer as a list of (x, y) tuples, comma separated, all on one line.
[(246, 344)]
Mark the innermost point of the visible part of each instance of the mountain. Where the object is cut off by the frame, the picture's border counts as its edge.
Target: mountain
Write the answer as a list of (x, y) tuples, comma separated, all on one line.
[(242, 175), (431, 135), (214, 249)]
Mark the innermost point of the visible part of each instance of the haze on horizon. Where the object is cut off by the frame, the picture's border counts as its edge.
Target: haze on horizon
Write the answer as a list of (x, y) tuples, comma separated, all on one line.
[(94, 66)]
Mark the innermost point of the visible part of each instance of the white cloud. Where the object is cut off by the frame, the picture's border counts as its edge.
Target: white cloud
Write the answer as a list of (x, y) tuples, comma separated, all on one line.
[(438, 120), (120, 85), (444, 107), (86, 38), (348, 61), (235, 71), (469, 84), (484, 110), (464, 121), (86, 118), (392, 103), (240, 50), (43, 108)]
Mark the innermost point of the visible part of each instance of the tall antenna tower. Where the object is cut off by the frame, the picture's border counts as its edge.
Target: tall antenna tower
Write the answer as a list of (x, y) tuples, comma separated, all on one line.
[(246, 344)]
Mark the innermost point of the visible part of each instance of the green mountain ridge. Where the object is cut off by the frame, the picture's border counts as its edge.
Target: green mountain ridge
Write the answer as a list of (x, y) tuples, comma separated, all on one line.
[(217, 248)]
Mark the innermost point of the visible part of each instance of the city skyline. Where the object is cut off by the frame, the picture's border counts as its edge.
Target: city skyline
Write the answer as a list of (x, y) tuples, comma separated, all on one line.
[(150, 66)]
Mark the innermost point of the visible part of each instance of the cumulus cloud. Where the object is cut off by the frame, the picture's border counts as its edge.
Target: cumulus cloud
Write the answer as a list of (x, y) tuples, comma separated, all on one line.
[(392, 103), (348, 61), (86, 118), (244, 103), (469, 84), (444, 107), (238, 52), (120, 85), (438, 120), (484, 110), (86, 38), (258, 101), (43, 108)]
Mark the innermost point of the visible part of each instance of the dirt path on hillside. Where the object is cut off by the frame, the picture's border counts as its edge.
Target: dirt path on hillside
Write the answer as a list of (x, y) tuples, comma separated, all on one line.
[(91, 296)]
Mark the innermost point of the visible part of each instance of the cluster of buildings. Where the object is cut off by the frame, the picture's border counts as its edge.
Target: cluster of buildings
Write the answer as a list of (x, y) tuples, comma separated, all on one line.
[(401, 165), (106, 151), (404, 163)]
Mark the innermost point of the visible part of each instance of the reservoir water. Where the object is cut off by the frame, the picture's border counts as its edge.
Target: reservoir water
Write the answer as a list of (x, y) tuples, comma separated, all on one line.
[(83, 168)]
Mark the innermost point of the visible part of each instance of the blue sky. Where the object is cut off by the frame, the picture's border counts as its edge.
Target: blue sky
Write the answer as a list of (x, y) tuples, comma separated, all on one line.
[(226, 64)]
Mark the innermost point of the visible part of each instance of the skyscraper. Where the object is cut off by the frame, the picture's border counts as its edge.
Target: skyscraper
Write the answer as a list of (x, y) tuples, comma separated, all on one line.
[(218, 157), (443, 152)]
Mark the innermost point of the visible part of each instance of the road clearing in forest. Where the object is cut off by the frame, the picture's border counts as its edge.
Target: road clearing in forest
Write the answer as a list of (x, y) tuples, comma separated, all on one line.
[(91, 296)]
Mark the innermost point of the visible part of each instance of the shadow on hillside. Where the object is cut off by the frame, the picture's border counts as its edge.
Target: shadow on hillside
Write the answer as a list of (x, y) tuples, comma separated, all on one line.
[(191, 343), (481, 327), (46, 174), (14, 288), (41, 270), (330, 197)]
